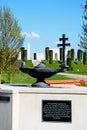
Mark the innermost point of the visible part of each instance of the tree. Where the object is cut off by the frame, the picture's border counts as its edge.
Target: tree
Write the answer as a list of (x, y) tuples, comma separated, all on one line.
[(50, 56), (69, 54), (84, 58), (83, 37), (10, 39), (35, 56), (72, 54), (69, 63), (23, 54), (79, 54), (47, 53)]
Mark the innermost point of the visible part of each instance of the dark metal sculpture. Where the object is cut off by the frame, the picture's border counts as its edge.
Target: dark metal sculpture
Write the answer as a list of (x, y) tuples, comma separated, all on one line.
[(41, 72), (63, 45)]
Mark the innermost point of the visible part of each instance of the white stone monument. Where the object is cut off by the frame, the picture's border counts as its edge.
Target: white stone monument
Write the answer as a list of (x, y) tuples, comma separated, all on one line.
[(28, 52), (56, 108)]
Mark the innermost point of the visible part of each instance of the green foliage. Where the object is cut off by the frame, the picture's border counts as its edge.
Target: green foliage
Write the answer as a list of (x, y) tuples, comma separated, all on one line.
[(10, 39), (29, 63), (84, 58), (50, 56), (79, 67), (47, 53), (55, 64), (83, 37), (69, 63), (79, 54), (17, 76), (72, 54), (35, 56), (23, 54)]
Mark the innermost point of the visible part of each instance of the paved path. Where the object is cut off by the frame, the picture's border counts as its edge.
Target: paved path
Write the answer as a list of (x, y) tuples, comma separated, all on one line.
[(75, 76), (35, 62)]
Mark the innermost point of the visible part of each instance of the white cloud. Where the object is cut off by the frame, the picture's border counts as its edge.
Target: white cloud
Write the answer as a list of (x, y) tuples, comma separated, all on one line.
[(56, 43), (32, 35)]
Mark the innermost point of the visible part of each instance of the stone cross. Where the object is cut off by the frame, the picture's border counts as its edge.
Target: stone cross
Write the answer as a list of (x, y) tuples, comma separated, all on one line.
[(64, 44)]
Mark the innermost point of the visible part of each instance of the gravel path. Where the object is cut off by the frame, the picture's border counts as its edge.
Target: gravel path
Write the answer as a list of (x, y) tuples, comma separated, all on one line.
[(75, 76)]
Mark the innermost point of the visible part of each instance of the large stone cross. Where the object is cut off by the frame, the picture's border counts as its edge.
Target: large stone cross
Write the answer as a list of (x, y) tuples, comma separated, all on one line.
[(64, 44)]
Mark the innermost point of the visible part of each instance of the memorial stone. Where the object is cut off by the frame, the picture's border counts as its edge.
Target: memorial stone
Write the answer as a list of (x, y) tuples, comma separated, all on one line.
[(23, 107)]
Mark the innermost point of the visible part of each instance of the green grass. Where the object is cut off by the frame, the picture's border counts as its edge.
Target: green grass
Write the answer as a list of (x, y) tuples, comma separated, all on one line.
[(56, 64), (19, 78), (79, 68), (22, 78), (58, 77)]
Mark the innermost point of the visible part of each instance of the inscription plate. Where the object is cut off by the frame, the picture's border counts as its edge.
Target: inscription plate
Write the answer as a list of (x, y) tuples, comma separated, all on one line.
[(56, 110), (4, 99)]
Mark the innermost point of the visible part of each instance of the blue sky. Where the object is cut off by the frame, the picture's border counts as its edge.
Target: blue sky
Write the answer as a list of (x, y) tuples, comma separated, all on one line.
[(44, 21)]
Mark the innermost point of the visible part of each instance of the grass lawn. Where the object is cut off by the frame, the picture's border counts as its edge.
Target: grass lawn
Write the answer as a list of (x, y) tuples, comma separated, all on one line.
[(22, 78)]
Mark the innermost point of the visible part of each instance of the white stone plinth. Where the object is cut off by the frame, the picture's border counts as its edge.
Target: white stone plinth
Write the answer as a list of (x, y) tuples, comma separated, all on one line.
[(21, 107)]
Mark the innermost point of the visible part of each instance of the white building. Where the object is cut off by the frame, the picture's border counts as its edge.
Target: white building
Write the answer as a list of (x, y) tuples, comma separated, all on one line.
[(28, 52), (40, 56), (56, 54)]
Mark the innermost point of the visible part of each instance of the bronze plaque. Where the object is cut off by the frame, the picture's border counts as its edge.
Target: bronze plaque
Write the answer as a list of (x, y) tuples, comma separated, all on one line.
[(4, 99), (56, 110)]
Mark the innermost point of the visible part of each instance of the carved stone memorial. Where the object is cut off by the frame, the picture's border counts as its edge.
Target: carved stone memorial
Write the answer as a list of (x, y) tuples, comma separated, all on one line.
[(37, 108), (56, 111)]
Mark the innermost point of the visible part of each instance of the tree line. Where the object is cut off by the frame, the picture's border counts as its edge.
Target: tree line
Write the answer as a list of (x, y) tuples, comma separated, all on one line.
[(81, 56)]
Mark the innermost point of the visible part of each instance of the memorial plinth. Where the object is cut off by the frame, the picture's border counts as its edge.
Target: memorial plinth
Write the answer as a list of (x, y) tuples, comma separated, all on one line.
[(27, 108)]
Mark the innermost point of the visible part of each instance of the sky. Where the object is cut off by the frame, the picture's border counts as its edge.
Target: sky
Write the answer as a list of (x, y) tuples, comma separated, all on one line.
[(43, 22)]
